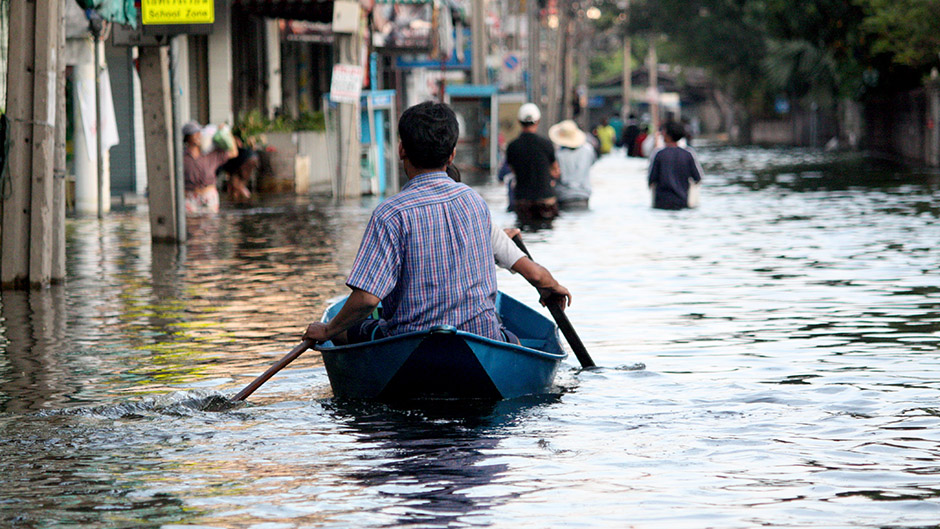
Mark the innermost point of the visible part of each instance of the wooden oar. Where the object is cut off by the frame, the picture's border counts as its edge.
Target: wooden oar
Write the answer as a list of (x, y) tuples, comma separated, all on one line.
[(561, 319), (281, 364)]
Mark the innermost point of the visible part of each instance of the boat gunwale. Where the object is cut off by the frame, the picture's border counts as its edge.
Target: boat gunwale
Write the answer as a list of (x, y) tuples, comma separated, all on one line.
[(462, 334)]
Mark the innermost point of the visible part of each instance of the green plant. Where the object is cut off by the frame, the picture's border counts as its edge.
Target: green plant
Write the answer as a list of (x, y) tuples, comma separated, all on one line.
[(252, 125)]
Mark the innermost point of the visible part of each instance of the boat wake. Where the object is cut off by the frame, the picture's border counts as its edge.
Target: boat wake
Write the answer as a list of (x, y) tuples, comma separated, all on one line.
[(176, 404)]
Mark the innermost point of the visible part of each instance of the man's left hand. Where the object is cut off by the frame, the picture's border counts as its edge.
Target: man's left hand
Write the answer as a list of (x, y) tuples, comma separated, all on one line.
[(317, 331)]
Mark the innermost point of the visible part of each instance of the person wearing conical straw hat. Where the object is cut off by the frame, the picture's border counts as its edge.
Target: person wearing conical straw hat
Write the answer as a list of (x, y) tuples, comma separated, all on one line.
[(575, 158)]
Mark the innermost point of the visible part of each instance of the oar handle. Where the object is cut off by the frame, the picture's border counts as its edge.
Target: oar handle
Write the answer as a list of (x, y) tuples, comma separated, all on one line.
[(518, 240), (281, 364), (561, 319)]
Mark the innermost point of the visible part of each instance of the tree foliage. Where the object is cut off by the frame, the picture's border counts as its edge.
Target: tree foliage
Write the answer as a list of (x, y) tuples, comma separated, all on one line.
[(820, 49), (908, 30)]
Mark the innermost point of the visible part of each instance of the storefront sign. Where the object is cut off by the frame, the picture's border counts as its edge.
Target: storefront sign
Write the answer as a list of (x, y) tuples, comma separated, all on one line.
[(177, 11)]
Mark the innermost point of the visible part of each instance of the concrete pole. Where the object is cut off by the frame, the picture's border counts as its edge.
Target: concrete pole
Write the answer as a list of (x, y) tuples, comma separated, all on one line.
[(627, 85), (272, 48), (60, 168), (478, 37), (155, 98), (176, 137), (43, 162), (15, 193), (584, 73), (932, 155), (220, 65), (349, 179), (570, 46), (556, 70), (535, 59), (652, 64)]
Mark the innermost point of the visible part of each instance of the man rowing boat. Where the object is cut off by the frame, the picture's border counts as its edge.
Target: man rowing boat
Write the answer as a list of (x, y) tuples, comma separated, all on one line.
[(426, 253)]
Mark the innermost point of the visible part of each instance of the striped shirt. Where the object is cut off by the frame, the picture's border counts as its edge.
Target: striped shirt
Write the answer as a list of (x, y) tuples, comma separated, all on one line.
[(426, 254)]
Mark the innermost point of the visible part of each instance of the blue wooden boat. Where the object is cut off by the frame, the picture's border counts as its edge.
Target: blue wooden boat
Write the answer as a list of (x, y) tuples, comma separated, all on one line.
[(444, 363)]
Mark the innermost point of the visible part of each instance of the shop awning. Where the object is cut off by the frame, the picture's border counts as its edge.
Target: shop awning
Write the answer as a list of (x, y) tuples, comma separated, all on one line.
[(310, 10)]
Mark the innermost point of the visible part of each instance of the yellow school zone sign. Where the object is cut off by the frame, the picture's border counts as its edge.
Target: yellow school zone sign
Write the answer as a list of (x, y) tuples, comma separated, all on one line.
[(177, 11)]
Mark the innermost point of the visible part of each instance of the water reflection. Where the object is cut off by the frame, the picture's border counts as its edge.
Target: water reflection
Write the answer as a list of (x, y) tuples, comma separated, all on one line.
[(34, 331), (435, 459)]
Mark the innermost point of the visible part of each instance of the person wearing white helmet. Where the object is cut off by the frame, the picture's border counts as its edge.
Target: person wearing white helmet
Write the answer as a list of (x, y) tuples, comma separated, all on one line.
[(532, 159)]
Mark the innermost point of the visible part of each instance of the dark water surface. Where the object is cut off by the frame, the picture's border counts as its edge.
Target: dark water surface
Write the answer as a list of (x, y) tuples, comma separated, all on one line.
[(789, 328)]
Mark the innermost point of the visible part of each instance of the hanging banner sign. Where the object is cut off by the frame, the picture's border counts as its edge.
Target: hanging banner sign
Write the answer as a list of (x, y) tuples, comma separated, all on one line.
[(177, 11), (346, 85)]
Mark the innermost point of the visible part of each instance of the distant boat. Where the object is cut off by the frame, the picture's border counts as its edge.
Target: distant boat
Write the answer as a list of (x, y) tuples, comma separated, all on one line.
[(444, 363)]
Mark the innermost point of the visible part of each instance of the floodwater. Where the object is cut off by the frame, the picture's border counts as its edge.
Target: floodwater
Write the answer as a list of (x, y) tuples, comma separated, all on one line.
[(769, 359)]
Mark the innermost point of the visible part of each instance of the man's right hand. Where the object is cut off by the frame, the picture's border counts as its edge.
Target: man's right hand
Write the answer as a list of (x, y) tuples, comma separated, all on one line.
[(555, 294)]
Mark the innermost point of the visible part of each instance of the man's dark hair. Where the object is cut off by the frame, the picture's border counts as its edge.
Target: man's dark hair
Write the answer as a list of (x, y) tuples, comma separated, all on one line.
[(674, 130), (428, 132)]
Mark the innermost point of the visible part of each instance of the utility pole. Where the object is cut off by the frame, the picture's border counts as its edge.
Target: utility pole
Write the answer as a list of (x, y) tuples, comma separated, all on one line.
[(43, 160), (154, 65), (627, 85), (570, 45), (179, 177), (60, 168), (584, 73), (478, 36), (535, 61), (15, 189), (556, 69), (27, 191), (652, 64)]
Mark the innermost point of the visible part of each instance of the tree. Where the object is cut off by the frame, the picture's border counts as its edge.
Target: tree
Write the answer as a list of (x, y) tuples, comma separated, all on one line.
[(908, 30)]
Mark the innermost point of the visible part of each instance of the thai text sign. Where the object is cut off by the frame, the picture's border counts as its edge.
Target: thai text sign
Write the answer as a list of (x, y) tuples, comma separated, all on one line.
[(177, 11), (346, 85)]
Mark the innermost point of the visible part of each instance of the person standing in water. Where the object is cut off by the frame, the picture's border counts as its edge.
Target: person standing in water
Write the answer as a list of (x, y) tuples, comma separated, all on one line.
[(673, 170)]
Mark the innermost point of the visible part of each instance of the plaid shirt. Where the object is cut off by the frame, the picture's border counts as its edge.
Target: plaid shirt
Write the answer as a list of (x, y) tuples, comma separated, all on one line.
[(427, 254)]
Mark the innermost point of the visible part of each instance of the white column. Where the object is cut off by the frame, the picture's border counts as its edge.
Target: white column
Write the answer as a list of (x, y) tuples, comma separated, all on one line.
[(85, 128), (83, 117), (272, 47), (220, 65), (182, 47), (140, 151)]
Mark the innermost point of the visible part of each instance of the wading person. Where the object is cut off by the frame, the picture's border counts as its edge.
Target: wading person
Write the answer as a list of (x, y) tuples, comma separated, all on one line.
[(673, 170), (426, 252), (202, 195), (532, 159), (575, 158)]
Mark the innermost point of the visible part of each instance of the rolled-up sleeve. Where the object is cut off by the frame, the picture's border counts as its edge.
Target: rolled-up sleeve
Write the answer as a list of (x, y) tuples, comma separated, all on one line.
[(504, 250), (378, 263)]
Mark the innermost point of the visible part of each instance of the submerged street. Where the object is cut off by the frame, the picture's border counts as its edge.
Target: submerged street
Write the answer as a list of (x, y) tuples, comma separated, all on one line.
[(766, 359)]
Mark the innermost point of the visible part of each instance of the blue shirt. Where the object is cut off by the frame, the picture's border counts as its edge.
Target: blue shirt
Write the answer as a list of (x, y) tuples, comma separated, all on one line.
[(671, 171), (426, 254)]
